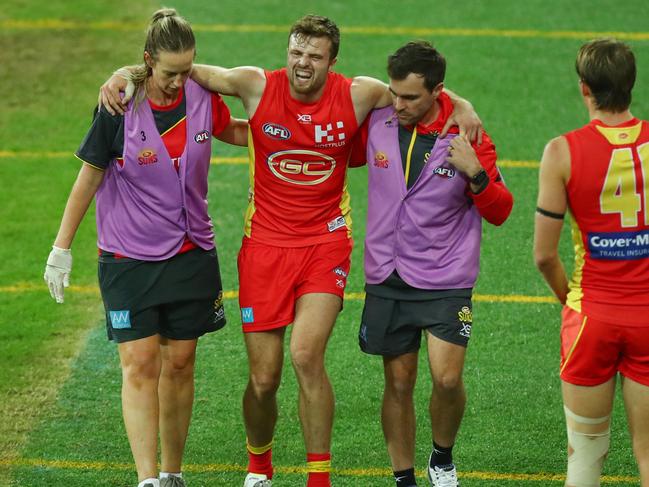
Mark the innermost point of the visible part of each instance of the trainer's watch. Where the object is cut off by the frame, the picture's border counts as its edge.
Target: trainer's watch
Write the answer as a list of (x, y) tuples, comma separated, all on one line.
[(481, 179)]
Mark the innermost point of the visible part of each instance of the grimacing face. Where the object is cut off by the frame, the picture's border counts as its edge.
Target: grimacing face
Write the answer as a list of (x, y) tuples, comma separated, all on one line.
[(308, 62), (412, 101), (170, 71)]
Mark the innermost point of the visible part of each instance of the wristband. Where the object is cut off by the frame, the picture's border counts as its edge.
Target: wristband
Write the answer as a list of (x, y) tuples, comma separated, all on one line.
[(481, 180)]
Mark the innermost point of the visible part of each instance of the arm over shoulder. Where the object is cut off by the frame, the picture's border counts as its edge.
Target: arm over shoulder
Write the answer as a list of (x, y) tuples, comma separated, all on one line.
[(367, 94), (245, 82)]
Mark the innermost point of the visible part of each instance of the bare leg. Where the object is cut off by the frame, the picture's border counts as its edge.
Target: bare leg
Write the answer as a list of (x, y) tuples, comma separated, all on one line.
[(448, 398), (315, 315), (398, 411), (636, 401), (176, 396), (265, 359), (140, 360)]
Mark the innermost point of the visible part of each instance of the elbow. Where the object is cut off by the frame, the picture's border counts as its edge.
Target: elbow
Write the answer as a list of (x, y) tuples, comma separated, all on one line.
[(501, 216), (545, 261), (507, 208)]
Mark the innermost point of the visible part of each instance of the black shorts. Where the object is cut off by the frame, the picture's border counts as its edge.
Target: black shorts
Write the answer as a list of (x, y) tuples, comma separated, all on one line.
[(394, 326), (180, 298)]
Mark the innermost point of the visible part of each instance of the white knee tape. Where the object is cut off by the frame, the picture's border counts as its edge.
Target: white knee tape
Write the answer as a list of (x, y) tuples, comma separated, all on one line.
[(583, 419), (588, 452)]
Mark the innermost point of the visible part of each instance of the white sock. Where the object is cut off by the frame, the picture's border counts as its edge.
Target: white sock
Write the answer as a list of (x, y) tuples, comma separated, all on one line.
[(164, 475), (152, 481)]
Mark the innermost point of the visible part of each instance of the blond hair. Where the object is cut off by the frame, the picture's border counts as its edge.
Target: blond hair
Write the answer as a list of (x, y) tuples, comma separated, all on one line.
[(169, 32)]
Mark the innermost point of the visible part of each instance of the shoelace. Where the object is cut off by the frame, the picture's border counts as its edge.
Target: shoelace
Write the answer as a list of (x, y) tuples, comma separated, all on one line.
[(445, 478), (174, 481)]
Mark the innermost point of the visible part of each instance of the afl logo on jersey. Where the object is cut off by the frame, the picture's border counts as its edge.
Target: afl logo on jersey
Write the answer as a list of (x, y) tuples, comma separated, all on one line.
[(446, 172), (303, 167), (275, 131), (202, 137)]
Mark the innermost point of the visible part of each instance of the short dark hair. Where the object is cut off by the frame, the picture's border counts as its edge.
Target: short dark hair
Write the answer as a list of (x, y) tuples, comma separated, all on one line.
[(607, 67), (317, 26), (419, 57)]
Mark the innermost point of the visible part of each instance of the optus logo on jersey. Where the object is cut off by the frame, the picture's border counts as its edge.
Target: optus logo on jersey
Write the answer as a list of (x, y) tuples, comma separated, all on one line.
[(302, 167), (146, 157), (276, 131)]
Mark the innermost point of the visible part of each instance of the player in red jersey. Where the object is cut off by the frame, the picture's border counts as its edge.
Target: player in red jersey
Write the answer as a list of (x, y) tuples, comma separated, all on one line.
[(601, 173), (294, 259)]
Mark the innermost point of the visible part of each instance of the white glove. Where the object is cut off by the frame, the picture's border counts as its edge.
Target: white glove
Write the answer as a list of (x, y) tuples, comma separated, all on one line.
[(57, 272)]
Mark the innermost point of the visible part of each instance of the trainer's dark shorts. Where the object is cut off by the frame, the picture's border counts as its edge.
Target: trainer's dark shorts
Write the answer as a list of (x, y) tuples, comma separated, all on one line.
[(180, 298), (394, 318)]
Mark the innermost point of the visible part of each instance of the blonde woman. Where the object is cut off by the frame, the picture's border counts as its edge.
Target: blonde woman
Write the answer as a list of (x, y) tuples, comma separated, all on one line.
[(158, 267)]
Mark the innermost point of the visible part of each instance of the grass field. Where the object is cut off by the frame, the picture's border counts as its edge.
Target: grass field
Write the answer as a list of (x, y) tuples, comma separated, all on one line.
[(59, 378)]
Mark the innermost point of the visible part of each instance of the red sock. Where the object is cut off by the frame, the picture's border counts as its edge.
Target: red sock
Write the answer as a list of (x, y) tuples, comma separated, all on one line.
[(318, 466), (260, 459)]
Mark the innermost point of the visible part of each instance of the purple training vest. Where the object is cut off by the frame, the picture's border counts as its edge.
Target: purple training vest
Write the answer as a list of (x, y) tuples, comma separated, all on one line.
[(430, 233), (145, 207)]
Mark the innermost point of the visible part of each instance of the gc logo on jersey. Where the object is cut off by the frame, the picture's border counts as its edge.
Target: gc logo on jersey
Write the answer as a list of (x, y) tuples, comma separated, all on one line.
[(303, 167), (276, 131)]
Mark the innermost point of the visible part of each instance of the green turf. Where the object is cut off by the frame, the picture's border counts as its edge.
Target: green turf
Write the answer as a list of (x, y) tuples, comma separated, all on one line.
[(60, 388)]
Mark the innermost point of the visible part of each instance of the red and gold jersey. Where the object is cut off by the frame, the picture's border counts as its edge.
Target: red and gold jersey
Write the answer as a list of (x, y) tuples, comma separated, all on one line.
[(298, 164), (608, 195)]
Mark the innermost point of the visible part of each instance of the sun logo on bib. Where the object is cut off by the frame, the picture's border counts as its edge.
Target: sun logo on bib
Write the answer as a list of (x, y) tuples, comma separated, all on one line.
[(381, 160)]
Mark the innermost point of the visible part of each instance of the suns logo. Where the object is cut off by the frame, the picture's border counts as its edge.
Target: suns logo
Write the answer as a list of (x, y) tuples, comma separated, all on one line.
[(381, 160), (219, 312), (465, 315), (202, 137), (146, 157)]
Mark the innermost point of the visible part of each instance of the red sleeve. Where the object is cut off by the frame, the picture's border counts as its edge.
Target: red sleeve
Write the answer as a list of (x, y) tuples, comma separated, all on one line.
[(358, 155), (494, 203), (220, 114)]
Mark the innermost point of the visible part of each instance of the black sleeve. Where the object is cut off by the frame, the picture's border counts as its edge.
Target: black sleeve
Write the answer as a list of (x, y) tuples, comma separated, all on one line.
[(104, 140)]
